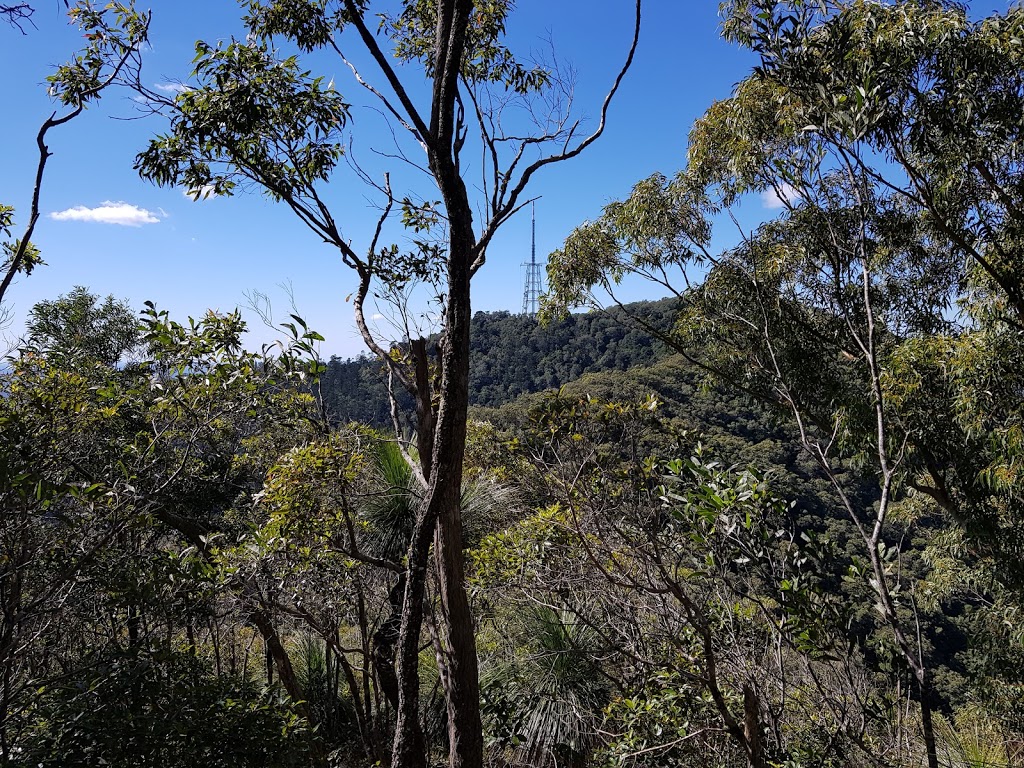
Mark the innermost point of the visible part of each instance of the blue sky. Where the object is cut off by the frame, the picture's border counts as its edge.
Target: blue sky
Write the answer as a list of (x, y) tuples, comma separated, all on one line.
[(187, 256)]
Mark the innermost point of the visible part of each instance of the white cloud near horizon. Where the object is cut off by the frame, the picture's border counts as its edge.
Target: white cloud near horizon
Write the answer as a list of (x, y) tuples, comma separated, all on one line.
[(773, 199), (108, 212)]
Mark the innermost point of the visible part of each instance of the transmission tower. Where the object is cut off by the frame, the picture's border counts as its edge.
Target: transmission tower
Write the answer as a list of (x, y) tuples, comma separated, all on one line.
[(532, 287)]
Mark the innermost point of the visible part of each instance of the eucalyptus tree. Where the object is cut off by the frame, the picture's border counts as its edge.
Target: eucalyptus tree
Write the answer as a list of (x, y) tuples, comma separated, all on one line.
[(253, 118), (916, 96), (77, 327), (879, 307)]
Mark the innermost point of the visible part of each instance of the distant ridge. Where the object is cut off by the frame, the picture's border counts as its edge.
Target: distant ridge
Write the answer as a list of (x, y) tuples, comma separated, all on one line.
[(512, 355)]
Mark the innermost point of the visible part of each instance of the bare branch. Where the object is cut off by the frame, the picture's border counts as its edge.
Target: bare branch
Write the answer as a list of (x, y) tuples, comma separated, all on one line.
[(425, 137), (383, 99), (509, 205), (17, 14), (17, 258)]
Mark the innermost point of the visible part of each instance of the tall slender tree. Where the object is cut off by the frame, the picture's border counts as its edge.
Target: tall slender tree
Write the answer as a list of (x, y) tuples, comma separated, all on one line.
[(256, 119)]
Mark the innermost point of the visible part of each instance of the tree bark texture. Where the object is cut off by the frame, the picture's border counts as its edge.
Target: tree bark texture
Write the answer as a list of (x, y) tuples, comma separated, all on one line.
[(439, 519)]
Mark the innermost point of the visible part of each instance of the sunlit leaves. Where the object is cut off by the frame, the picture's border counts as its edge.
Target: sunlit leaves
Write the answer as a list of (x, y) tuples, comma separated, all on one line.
[(304, 21), (252, 118), (78, 328), (486, 58), (916, 96), (662, 224), (113, 31), (306, 496)]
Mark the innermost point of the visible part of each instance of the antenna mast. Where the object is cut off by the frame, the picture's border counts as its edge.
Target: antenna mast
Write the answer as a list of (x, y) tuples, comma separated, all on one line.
[(532, 282)]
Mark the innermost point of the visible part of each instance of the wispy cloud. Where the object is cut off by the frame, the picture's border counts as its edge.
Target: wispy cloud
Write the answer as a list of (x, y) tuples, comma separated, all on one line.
[(199, 194), (773, 199), (123, 214), (377, 316), (172, 87)]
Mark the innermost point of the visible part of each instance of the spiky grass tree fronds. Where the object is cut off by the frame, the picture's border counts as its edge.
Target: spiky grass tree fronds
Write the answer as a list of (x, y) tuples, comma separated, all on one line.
[(974, 740), (487, 506), (544, 706), (390, 509), (318, 676), (309, 658)]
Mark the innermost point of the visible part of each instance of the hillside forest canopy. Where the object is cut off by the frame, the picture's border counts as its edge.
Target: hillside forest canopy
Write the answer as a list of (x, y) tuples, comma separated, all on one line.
[(772, 517)]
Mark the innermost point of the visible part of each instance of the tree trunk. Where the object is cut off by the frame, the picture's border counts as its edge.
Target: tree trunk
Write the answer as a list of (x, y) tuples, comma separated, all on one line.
[(384, 640), (409, 750), (443, 467), (458, 637), (927, 726), (441, 520), (278, 658), (752, 728), (441, 515)]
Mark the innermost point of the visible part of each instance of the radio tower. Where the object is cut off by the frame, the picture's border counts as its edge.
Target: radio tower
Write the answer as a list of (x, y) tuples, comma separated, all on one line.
[(532, 285)]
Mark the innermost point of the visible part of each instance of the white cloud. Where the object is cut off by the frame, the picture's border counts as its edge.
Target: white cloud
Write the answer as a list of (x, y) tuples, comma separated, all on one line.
[(199, 194), (124, 214), (378, 316), (172, 87), (774, 199)]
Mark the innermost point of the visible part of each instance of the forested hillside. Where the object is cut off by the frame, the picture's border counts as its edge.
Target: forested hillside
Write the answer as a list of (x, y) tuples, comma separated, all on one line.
[(511, 355), (607, 355), (734, 428)]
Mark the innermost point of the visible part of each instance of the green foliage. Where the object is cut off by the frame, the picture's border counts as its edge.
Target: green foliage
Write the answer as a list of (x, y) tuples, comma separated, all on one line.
[(511, 355), (318, 673), (117, 481), (315, 25), (161, 709), (114, 31), (658, 726), (972, 740), (173, 527), (745, 537), (77, 329), (305, 495), (542, 706), (390, 513), (662, 225), (881, 311), (915, 85), (486, 59), (515, 555), (251, 118), (31, 256)]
